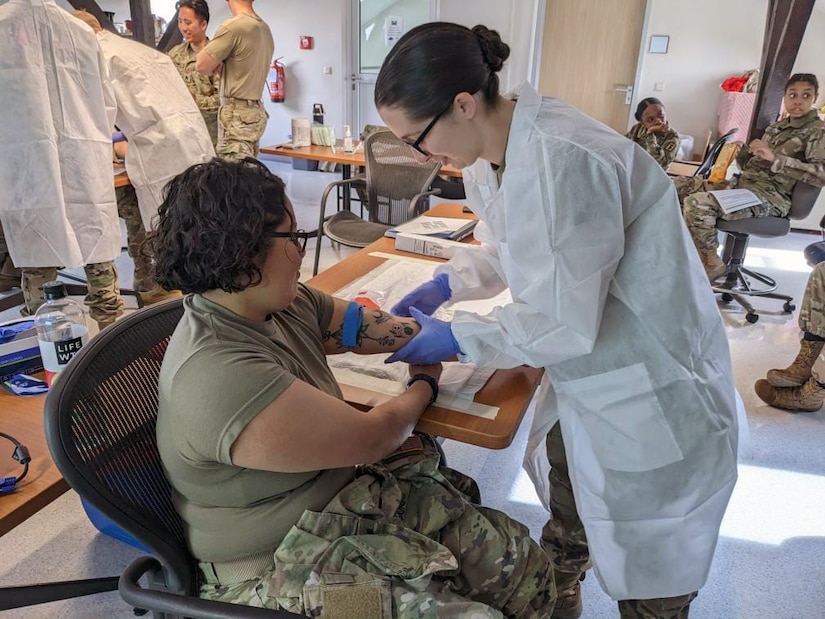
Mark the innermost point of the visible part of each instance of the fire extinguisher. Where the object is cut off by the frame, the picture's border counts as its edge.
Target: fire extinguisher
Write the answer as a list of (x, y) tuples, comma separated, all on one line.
[(277, 82)]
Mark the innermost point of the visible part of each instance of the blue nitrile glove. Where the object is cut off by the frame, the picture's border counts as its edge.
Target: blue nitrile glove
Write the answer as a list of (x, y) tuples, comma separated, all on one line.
[(434, 343), (118, 136), (7, 334), (427, 297)]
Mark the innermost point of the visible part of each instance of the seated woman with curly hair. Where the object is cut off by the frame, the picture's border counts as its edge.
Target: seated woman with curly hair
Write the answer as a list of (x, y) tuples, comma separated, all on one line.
[(290, 497)]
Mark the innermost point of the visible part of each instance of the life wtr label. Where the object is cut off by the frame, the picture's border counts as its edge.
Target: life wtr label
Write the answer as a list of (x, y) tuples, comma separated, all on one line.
[(57, 354)]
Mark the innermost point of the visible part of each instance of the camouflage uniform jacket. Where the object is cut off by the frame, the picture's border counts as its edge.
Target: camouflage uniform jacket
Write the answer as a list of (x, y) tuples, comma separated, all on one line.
[(661, 146), (799, 146), (204, 88)]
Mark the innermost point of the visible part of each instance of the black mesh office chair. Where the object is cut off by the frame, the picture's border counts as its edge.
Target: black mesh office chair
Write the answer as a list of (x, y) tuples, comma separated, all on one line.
[(100, 427), (396, 190), (737, 284)]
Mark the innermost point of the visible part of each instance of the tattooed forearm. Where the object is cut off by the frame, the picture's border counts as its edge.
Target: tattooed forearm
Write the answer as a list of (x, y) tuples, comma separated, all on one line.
[(380, 332)]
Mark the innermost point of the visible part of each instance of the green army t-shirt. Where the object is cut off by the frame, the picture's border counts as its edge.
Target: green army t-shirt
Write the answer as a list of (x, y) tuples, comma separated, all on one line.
[(219, 372), (244, 44)]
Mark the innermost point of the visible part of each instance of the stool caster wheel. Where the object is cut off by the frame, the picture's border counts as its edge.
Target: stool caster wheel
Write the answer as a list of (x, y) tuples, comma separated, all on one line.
[(788, 307), (751, 317), (726, 298)]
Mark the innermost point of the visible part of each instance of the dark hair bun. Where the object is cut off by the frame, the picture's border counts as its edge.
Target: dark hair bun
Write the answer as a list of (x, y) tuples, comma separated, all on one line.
[(494, 50)]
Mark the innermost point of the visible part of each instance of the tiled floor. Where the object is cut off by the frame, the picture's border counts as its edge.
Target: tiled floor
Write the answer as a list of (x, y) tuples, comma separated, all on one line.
[(770, 562)]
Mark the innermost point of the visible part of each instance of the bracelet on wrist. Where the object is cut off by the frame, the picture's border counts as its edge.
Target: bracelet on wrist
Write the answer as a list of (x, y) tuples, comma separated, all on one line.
[(433, 383)]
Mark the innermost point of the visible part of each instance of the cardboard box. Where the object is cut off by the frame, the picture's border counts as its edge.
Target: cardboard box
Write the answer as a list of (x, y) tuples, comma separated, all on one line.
[(22, 354), (429, 245)]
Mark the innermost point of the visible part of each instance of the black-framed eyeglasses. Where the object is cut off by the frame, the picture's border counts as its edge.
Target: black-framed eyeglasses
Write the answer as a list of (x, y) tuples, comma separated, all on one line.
[(299, 237), (417, 144)]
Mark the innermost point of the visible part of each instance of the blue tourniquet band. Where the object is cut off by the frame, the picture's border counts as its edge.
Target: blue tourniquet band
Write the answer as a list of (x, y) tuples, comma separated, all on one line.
[(352, 324)]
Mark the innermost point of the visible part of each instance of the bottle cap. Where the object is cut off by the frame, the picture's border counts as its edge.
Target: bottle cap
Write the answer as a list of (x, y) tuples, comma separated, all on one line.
[(54, 290)]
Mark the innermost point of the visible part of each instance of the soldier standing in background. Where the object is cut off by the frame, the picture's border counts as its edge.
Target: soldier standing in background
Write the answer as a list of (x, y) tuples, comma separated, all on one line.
[(193, 19), (243, 46)]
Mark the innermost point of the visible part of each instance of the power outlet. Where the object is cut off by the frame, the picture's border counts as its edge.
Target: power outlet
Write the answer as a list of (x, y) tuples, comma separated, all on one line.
[(659, 86)]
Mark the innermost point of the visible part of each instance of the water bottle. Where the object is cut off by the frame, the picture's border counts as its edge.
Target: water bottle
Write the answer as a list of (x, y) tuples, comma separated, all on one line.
[(61, 329)]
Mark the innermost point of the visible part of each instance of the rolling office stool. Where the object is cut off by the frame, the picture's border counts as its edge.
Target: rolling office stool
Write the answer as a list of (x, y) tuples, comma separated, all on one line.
[(737, 283)]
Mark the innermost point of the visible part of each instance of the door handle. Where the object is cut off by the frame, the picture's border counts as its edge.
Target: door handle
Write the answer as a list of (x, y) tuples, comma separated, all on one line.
[(628, 93)]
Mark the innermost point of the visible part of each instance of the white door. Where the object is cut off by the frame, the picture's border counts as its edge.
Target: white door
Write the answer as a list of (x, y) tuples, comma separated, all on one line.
[(376, 26), (596, 74)]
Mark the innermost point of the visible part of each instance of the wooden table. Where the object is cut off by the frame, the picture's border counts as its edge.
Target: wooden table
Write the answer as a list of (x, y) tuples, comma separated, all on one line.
[(121, 179), (336, 155), (509, 390), (22, 418)]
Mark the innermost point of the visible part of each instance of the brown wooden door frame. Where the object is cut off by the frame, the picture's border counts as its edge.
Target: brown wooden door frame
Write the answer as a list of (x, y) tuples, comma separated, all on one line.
[(784, 29)]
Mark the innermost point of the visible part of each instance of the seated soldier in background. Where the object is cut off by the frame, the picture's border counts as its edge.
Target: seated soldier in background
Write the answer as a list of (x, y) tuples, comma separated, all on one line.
[(791, 150), (653, 133), (801, 386)]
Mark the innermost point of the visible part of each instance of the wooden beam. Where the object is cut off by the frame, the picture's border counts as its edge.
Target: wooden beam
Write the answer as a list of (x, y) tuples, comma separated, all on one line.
[(172, 36), (784, 29), (143, 26), (92, 7)]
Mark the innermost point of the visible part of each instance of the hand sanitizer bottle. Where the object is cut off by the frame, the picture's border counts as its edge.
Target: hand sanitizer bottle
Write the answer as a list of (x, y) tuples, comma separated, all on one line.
[(347, 140)]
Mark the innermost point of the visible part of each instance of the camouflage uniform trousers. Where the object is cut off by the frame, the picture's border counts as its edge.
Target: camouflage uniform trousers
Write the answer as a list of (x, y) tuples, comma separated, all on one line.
[(129, 211), (241, 123), (812, 309), (701, 210), (205, 89), (405, 539), (564, 540), (102, 298)]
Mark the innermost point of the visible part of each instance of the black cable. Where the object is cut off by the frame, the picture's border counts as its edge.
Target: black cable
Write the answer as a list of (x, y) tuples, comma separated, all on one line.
[(21, 455)]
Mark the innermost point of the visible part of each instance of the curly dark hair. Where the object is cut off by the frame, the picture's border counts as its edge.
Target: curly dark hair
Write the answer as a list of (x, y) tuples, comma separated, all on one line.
[(213, 229)]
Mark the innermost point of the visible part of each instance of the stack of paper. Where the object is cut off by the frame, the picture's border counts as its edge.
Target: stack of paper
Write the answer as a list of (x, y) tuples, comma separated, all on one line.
[(732, 200), (452, 228)]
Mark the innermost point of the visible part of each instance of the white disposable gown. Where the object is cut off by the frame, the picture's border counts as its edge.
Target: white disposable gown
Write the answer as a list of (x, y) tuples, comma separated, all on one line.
[(57, 200), (159, 117), (610, 298)]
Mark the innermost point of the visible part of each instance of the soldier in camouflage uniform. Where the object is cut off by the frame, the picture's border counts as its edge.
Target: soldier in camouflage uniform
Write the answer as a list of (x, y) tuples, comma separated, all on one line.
[(799, 387), (244, 46), (193, 19), (791, 150), (653, 133)]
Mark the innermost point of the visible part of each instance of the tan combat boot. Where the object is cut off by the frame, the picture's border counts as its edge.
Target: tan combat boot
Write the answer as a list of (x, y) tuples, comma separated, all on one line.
[(157, 294), (808, 398), (714, 266), (569, 592), (798, 372)]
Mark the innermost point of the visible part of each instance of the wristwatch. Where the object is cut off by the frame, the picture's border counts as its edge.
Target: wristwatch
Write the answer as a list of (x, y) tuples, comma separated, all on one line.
[(433, 383)]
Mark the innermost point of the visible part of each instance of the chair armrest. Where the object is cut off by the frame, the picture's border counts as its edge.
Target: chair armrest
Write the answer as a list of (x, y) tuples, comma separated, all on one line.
[(412, 209), (325, 195), (161, 601)]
